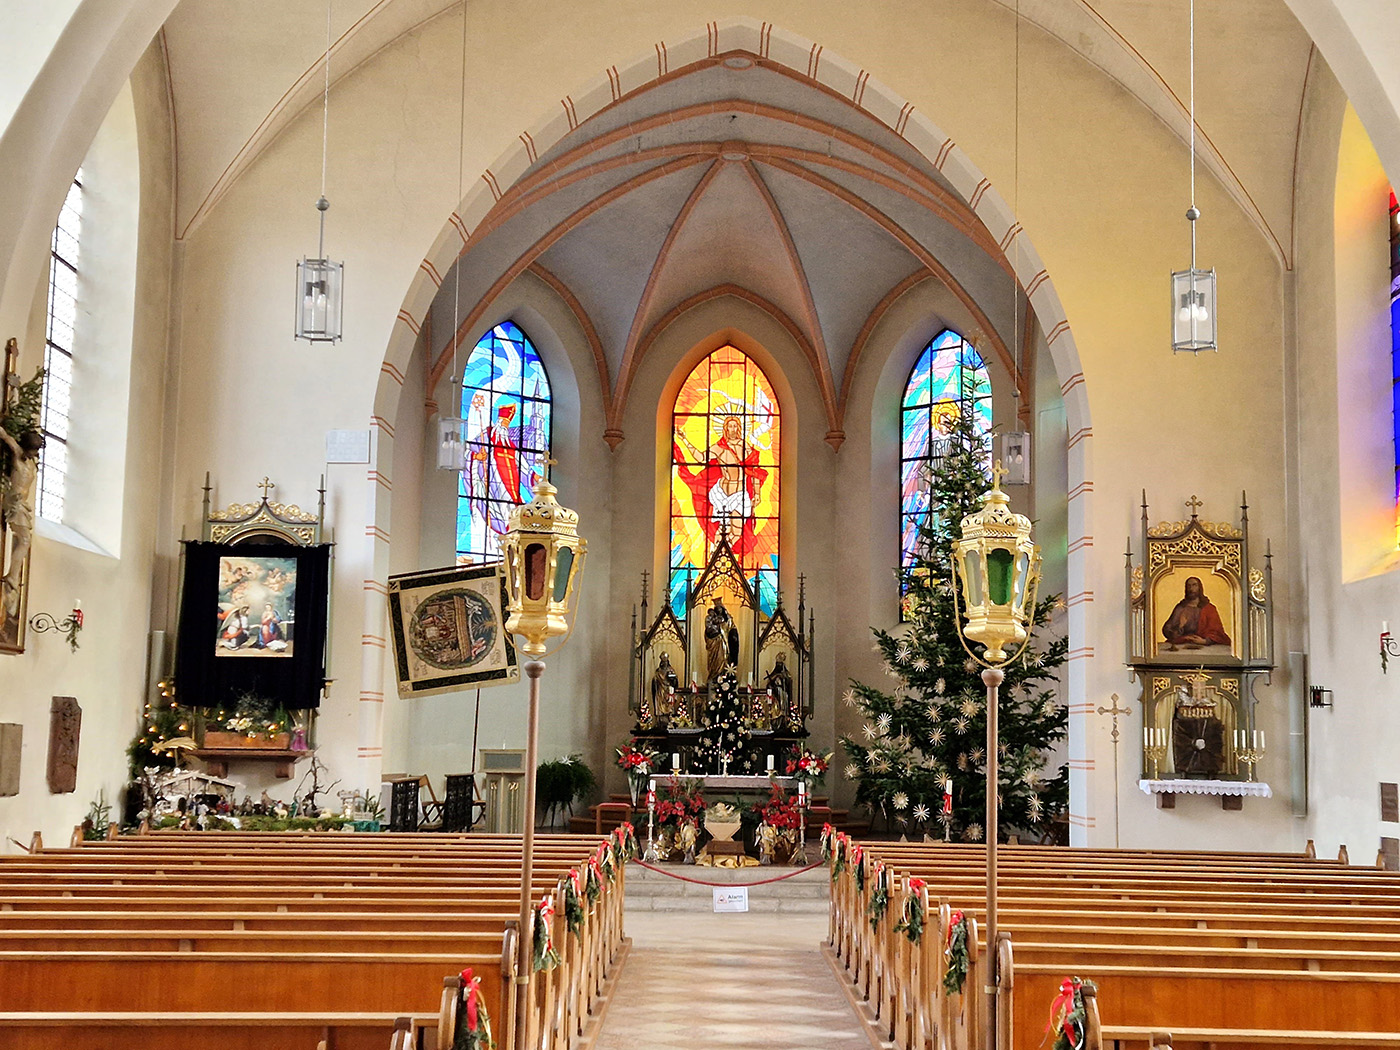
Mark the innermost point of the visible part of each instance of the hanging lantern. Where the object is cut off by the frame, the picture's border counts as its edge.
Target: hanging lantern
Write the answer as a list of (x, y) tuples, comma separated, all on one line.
[(999, 569), (1016, 456), (1193, 309), (450, 447), (544, 557), (318, 292)]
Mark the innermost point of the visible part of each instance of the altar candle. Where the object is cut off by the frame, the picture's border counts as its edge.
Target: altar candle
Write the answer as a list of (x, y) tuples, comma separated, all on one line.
[(675, 760), (770, 763), (651, 785), (1385, 627), (1261, 739)]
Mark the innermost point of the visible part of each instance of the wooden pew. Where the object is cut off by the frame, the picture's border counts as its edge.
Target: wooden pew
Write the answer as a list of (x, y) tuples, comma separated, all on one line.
[(305, 941), (1226, 948)]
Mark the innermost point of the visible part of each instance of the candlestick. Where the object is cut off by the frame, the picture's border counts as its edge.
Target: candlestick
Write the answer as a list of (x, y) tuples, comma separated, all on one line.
[(770, 763), (675, 760)]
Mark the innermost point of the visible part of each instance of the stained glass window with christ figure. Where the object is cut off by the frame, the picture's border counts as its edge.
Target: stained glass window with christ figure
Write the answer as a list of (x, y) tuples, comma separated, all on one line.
[(725, 435), (948, 382), (506, 435)]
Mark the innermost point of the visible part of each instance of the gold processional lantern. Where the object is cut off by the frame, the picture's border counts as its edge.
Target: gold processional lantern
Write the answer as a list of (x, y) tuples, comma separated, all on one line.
[(999, 568), (544, 557)]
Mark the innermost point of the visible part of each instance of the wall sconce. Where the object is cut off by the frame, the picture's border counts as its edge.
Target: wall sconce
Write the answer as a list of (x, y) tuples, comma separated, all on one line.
[(1319, 697), (42, 623), (1389, 646)]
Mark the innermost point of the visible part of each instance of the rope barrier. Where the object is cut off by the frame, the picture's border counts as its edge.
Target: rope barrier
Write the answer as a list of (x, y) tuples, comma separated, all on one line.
[(703, 882)]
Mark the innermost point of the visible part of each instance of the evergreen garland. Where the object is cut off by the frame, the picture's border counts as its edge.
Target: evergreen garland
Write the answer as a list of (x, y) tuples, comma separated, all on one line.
[(957, 955), (932, 726), (911, 919)]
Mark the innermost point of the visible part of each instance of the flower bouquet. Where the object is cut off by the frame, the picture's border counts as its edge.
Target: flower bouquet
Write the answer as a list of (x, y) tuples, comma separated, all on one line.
[(678, 802), (637, 761), (809, 767)]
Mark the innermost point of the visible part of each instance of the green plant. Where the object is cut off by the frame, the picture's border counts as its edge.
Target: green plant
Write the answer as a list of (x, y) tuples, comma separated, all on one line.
[(99, 815), (562, 782), (158, 725)]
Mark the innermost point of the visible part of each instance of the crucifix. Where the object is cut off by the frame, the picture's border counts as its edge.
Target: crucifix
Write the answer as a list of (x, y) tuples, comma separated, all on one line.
[(1195, 504), (267, 485), (1115, 711)]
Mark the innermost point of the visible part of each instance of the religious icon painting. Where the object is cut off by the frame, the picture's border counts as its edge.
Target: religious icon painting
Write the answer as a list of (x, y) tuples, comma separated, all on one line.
[(449, 631), (256, 607), (1197, 606)]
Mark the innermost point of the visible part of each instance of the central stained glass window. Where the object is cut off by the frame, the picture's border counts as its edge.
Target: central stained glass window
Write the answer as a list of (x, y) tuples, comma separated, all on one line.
[(949, 381), (725, 434), (506, 431)]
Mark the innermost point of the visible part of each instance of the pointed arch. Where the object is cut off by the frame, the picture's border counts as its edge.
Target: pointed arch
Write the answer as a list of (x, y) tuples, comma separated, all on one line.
[(726, 440)]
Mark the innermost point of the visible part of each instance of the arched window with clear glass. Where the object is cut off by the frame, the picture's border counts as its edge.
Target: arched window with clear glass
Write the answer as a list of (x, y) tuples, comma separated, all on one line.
[(725, 437), (506, 409), (948, 382)]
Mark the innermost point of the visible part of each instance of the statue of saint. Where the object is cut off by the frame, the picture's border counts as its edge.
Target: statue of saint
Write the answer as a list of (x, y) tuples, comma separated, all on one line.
[(779, 683), (721, 640), (1195, 621), (662, 682), (17, 507)]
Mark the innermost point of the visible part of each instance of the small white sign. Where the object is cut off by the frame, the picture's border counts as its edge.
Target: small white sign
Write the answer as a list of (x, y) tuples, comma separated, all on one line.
[(731, 898), (347, 446)]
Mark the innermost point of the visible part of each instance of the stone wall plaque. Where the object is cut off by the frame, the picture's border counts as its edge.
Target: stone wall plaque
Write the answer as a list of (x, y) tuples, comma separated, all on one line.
[(65, 722), (11, 740), (1390, 854), (1390, 802)]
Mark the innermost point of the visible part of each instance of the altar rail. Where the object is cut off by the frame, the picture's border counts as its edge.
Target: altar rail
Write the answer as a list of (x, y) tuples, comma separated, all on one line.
[(1232, 944)]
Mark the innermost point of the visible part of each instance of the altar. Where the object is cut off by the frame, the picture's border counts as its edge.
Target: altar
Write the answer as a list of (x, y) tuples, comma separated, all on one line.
[(722, 679)]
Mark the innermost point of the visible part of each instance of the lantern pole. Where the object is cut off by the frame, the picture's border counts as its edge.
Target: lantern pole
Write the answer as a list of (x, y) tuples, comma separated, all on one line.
[(992, 678), (526, 941)]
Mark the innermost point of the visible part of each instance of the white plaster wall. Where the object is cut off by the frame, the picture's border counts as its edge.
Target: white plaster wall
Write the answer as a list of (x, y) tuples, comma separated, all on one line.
[(107, 674)]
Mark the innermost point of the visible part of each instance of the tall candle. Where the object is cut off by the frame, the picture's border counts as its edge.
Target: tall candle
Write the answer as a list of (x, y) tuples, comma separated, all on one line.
[(1261, 740), (675, 760), (770, 763)]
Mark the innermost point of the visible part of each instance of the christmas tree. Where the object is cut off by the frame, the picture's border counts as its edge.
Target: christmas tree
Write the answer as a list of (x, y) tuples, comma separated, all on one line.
[(725, 734), (931, 729)]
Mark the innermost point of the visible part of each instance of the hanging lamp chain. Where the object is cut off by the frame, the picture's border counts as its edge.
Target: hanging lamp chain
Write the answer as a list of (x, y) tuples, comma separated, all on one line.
[(1192, 213)]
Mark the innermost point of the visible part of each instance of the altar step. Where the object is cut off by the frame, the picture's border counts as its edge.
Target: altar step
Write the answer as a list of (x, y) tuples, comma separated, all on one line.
[(805, 892)]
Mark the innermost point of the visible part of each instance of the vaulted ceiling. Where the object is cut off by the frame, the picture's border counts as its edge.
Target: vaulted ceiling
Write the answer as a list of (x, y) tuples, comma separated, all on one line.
[(739, 178)]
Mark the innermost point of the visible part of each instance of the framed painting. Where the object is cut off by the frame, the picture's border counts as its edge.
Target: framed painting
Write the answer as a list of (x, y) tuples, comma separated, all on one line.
[(449, 632), (1195, 618), (257, 607)]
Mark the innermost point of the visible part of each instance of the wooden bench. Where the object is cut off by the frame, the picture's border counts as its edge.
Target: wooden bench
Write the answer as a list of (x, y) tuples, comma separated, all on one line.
[(1162, 933), (291, 949)]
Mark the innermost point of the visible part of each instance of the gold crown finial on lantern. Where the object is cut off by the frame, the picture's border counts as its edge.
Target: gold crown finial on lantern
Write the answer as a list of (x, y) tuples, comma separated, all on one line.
[(544, 557), (999, 568)]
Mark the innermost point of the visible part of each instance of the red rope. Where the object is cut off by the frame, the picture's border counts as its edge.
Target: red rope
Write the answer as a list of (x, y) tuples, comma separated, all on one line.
[(702, 882)]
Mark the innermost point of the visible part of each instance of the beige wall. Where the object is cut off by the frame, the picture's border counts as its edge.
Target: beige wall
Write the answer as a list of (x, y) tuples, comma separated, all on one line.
[(123, 329)]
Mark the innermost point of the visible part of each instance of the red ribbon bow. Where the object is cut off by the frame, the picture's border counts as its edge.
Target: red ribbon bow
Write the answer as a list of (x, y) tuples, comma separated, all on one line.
[(1062, 1007), (953, 922), (916, 884), (471, 991)]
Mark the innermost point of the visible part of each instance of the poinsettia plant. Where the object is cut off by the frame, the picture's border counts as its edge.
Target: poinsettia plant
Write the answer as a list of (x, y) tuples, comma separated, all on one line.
[(781, 811), (679, 802)]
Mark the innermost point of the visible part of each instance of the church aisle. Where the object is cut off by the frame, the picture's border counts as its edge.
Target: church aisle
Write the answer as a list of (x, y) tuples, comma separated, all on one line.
[(754, 981)]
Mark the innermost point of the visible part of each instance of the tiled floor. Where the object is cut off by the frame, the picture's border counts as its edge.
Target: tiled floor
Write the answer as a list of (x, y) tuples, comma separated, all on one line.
[(749, 981)]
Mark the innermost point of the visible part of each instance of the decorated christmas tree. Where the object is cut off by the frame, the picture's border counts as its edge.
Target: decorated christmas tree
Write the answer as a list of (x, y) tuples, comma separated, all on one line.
[(725, 734), (929, 733)]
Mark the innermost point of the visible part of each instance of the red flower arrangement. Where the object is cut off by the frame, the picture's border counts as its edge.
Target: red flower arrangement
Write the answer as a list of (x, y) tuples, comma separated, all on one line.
[(633, 759), (781, 810), (809, 766), (679, 803)]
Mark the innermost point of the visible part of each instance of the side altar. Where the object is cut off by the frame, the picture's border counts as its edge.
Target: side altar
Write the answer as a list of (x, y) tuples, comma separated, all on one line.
[(717, 682), (1200, 637)]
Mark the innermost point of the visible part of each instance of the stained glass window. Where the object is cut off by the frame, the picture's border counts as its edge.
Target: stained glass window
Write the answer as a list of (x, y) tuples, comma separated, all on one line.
[(1395, 333), (506, 436), (948, 381), (58, 352), (725, 435)]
